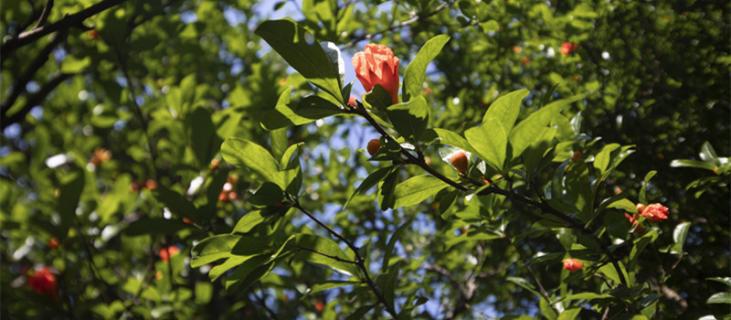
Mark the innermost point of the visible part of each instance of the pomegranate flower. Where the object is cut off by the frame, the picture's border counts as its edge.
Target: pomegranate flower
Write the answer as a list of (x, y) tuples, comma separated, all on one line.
[(376, 65), (572, 264), (655, 212), (43, 281), (567, 48), (168, 252)]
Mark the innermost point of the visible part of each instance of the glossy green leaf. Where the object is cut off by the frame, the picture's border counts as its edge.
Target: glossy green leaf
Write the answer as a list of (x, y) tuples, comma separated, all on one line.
[(417, 189), (410, 118), (679, 234), (415, 73), (301, 50)]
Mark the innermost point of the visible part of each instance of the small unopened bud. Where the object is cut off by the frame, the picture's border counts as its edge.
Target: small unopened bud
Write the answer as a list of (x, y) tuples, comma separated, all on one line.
[(572, 264), (373, 146), (459, 161)]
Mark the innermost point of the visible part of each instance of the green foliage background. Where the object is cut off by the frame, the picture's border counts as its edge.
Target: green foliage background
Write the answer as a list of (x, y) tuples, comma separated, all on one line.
[(162, 84)]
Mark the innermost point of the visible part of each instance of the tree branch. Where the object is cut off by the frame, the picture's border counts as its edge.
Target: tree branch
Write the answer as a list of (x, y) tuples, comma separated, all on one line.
[(62, 25), (33, 100), (22, 81), (359, 261), (493, 189)]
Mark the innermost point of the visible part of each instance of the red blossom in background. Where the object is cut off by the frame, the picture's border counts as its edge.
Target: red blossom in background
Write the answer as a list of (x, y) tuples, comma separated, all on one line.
[(655, 212), (43, 281), (567, 48), (572, 264), (377, 65), (168, 252)]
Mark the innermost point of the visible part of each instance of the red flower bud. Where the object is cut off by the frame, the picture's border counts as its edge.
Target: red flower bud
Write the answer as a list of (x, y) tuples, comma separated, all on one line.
[(53, 243), (572, 264), (459, 161), (567, 48), (352, 102), (373, 146), (150, 184), (43, 281), (168, 252), (377, 65), (655, 212)]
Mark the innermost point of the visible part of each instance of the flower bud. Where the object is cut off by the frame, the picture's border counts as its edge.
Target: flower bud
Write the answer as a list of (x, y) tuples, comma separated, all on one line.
[(655, 212), (373, 146), (572, 264), (459, 161), (567, 48), (352, 102), (53, 243)]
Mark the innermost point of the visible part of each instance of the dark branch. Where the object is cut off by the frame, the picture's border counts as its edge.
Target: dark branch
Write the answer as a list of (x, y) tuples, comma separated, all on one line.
[(359, 261), (61, 25), (22, 81), (493, 189), (34, 100)]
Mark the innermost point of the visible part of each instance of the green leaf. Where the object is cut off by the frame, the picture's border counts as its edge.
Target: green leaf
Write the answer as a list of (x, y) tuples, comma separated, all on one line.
[(724, 280), (587, 296), (154, 226), (603, 158), (203, 292), (623, 204), (645, 183), (213, 249), (268, 194), (569, 314), (720, 297), (73, 65), (533, 128), (679, 235), (708, 153), (391, 244), (249, 221), (506, 108), (453, 139), (233, 262), (687, 163), (490, 141), (410, 118), (68, 200), (610, 272), (176, 202), (288, 114), (417, 189), (202, 135), (370, 181), (416, 71), (323, 251), (245, 153), (303, 53), (320, 287)]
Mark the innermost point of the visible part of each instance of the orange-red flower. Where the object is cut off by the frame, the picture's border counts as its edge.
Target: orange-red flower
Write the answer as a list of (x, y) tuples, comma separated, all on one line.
[(168, 252), (655, 212), (100, 156), (377, 65), (43, 281), (567, 48), (572, 264)]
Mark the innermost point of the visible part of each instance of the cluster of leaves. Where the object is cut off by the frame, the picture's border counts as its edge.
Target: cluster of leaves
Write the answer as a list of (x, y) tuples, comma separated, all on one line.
[(140, 126)]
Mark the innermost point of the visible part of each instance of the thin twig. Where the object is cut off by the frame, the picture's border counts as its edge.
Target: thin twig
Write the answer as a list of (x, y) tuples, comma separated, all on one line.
[(359, 261), (65, 23), (414, 18)]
